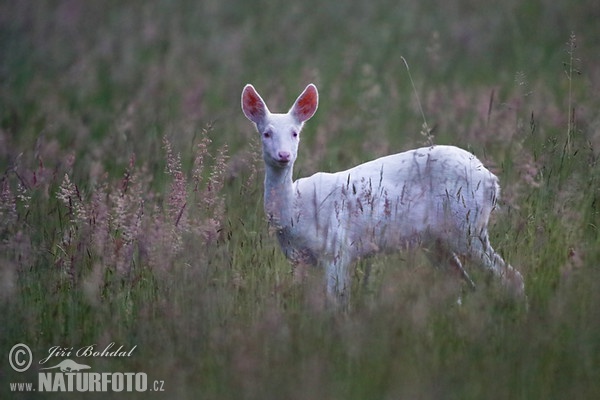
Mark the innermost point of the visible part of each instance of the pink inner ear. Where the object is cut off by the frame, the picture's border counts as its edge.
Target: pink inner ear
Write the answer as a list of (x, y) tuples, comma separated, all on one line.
[(253, 106), (307, 104)]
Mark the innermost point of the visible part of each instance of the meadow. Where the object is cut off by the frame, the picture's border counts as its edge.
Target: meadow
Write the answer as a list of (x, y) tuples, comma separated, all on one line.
[(131, 194)]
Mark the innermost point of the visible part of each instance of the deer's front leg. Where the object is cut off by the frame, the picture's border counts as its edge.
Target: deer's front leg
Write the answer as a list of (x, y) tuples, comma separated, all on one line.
[(338, 282)]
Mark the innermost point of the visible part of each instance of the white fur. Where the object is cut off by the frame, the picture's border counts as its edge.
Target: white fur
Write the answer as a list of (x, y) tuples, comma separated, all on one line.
[(437, 197)]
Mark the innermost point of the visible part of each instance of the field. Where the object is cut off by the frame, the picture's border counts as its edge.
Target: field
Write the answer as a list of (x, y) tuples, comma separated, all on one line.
[(131, 195)]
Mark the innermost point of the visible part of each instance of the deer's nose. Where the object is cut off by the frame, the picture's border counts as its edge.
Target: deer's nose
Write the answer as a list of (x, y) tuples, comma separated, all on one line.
[(284, 155)]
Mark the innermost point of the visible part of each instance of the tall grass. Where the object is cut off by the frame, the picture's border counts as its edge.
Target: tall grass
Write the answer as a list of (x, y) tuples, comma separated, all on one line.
[(131, 194)]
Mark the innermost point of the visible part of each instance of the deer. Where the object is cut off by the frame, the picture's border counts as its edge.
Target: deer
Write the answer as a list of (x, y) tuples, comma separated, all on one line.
[(438, 198)]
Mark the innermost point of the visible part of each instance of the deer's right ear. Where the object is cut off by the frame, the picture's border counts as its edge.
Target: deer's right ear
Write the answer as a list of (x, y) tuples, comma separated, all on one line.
[(253, 105), (306, 104)]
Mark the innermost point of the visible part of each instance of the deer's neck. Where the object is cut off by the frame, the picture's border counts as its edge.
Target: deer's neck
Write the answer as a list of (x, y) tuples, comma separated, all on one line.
[(279, 196)]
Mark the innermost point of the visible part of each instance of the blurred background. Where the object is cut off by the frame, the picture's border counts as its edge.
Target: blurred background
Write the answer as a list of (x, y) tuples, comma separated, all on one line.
[(103, 75), (131, 191)]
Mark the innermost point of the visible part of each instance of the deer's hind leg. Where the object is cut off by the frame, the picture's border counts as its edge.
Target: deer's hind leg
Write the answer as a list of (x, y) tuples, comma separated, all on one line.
[(482, 253), (441, 256)]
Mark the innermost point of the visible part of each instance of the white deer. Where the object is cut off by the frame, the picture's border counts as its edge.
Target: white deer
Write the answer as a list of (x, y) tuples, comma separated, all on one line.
[(437, 197)]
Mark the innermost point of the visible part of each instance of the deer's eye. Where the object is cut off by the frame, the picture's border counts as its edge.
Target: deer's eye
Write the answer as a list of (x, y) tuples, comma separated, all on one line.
[(267, 134), (294, 134)]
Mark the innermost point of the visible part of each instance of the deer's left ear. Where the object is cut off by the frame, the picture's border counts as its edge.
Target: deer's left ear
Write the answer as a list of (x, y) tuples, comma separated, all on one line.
[(253, 105), (306, 104)]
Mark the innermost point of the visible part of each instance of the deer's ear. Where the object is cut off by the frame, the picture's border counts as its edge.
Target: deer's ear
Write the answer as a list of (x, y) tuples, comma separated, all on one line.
[(253, 105), (306, 104)]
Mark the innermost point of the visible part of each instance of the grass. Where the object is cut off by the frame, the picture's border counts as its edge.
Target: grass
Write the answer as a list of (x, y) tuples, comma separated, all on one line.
[(131, 194)]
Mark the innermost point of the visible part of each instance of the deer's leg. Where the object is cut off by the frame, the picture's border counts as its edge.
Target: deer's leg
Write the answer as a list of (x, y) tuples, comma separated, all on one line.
[(482, 253), (441, 256), (455, 262), (367, 273), (338, 282)]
